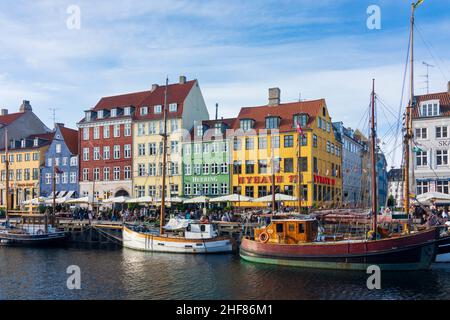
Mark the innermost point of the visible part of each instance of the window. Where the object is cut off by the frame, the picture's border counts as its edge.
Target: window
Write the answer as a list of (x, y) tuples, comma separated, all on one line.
[(214, 168), (174, 125), (249, 143), (421, 133), (85, 174), (205, 189), (206, 148), (197, 148), (49, 162), (114, 112), (237, 167), (288, 141), (127, 130), (85, 133), (328, 147), (262, 191), (272, 122), (197, 169), (35, 174), (441, 157), (96, 133), (224, 168), (141, 149), (126, 172), (85, 154), (152, 150), (214, 188), (152, 191), (196, 189), (246, 124), (64, 178), (421, 158), (144, 111), (73, 177), (96, 153), (64, 161), (187, 149), (96, 174), (187, 189), (152, 169), (429, 109), (304, 164), (157, 109), (127, 151), (443, 186), (289, 190), (106, 131), (422, 187), (262, 143), (249, 191), (116, 173), (249, 167), (262, 166), (116, 130), (441, 132), (237, 144), (288, 165), (187, 169), (127, 111), (140, 191), (174, 146), (141, 170), (48, 178), (314, 141), (205, 168), (106, 152), (152, 127), (300, 119), (173, 107), (27, 157), (315, 165), (36, 156), (56, 161), (224, 188), (275, 142), (36, 142), (116, 152), (18, 174)]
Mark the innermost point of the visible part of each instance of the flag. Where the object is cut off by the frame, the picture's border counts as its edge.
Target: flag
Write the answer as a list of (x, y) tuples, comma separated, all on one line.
[(300, 130), (418, 3), (58, 171)]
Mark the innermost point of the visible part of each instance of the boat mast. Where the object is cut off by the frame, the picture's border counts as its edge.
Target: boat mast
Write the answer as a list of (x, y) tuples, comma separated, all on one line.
[(7, 177), (374, 162), (273, 171), (408, 118), (299, 169), (164, 165)]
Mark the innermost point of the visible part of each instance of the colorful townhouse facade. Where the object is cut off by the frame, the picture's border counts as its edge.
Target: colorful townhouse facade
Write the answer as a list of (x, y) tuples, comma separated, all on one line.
[(206, 159), (185, 106), (26, 157), (105, 147), (61, 160), (267, 143), (430, 156)]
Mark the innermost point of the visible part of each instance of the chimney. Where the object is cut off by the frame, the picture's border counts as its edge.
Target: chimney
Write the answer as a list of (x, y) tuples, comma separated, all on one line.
[(217, 111), (59, 124), (274, 96), (3, 112), (26, 106), (448, 87), (154, 87), (182, 79)]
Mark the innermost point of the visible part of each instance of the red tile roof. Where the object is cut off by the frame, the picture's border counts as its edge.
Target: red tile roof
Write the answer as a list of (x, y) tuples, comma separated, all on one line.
[(120, 101), (10, 118), (444, 102), (71, 138), (176, 93), (285, 111)]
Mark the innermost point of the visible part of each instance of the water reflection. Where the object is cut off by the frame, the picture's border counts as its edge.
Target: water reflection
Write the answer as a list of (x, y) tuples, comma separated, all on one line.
[(127, 274)]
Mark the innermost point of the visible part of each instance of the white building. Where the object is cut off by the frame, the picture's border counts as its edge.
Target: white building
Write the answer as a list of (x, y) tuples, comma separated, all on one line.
[(431, 144), (396, 186)]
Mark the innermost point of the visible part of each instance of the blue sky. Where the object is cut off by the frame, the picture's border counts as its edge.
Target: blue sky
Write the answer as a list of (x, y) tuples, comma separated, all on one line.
[(236, 49)]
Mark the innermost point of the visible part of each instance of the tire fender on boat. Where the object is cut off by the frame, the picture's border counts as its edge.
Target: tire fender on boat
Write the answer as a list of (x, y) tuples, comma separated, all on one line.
[(263, 237)]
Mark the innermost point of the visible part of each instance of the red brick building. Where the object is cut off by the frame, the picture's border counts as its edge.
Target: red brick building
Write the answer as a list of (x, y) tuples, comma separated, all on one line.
[(105, 146)]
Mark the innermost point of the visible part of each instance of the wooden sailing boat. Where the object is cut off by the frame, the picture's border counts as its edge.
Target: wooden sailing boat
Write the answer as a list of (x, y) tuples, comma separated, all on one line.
[(178, 236), (32, 229), (300, 242)]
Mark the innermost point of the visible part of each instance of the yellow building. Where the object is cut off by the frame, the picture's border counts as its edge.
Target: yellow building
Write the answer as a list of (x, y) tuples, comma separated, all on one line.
[(26, 157), (185, 105), (266, 138)]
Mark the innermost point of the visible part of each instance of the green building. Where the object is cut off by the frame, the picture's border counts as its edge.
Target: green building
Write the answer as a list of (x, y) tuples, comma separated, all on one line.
[(206, 159)]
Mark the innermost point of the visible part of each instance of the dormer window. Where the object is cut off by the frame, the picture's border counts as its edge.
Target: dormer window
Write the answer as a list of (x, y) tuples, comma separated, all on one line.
[(127, 111), (247, 124), (100, 114), (173, 107), (429, 108), (217, 128), (199, 130), (13, 144), (23, 143), (88, 116), (144, 111), (36, 142), (300, 119), (157, 109), (114, 112), (272, 122)]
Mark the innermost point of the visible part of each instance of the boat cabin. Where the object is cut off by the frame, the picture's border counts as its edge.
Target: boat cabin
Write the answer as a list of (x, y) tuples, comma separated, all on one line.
[(288, 231), (200, 231)]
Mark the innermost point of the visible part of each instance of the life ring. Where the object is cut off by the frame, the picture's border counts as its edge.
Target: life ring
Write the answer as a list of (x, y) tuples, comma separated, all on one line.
[(263, 237)]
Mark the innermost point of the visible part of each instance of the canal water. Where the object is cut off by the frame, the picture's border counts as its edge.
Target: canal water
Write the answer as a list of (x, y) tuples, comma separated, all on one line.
[(126, 274)]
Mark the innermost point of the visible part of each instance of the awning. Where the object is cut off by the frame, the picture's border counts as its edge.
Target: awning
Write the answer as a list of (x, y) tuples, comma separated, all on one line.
[(278, 197), (232, 198)]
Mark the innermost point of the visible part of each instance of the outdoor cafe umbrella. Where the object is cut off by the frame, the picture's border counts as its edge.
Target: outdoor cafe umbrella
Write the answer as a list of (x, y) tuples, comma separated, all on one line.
[(82, 200), (145, 199), (232, 198), (278, 197), (120, 199), (172, 200), (201, 199)]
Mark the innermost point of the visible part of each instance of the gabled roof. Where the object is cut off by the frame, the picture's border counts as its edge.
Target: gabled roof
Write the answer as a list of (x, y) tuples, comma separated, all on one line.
[(10, 118), (120, 101), (285, 111), (70, 138), (444, 101), (176, 93)]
